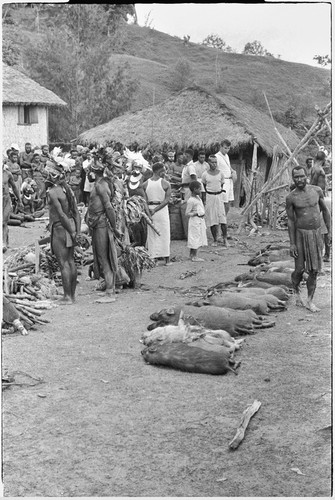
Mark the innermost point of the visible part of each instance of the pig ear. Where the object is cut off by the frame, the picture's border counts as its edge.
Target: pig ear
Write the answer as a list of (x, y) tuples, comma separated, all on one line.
[(170, 311)]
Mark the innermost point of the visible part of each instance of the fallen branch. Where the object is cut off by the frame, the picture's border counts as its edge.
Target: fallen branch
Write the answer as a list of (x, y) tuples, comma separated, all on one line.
[(247, 414)]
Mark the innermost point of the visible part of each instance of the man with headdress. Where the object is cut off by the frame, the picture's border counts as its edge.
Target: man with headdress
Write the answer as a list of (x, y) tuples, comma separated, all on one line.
[(303, 206), (64, 220), (101, 220), (138, 228), (7, 182)]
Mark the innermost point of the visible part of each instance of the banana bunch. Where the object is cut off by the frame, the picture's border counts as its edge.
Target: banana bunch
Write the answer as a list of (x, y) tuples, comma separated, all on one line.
[(134, 209)]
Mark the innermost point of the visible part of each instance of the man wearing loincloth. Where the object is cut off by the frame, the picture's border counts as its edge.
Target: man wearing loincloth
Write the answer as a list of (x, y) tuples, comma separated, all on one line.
[(65, 223), (101, 220), (303, 206), (7, 182)]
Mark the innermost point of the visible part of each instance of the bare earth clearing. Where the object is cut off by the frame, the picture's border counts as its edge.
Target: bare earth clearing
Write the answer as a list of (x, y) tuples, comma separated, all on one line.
[(104, 423)]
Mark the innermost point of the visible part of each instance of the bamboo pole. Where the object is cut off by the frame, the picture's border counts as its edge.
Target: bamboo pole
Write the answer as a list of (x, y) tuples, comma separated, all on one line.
[(276, 188), (302, 143), (37, 257), (6, 279)]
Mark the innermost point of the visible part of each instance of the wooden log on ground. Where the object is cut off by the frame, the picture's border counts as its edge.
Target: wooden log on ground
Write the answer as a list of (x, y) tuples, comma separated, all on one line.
[(22, 266), (247, 414)]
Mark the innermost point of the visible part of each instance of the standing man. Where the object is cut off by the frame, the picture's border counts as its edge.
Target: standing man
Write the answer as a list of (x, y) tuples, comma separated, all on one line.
[(25, 159), (303, 206), (169, 165), (64, 228), (158, 192), (101, 220), (315, 173), (188, 175), (214, 184), (200, 167), (14, 167), (7, 182), (45, 155), (228, 172)]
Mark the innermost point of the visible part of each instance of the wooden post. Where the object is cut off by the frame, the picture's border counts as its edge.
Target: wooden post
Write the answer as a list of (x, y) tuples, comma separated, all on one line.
[(37, 257), (6, 279)]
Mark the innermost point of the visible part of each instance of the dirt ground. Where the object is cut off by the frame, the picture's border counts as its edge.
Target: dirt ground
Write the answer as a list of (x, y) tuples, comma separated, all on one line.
[(105, 423)]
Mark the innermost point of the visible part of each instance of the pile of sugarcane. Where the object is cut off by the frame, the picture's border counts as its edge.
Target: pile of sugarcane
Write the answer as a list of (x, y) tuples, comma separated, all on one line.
[(22, 312), (25, 294), (135, 210)]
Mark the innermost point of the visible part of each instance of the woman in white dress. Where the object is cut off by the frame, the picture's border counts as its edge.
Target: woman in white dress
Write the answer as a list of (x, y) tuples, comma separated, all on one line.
[(213, 181), (158, 192)]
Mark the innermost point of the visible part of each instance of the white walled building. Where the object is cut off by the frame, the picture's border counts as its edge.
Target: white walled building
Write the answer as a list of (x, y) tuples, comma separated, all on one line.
[(25, 107)]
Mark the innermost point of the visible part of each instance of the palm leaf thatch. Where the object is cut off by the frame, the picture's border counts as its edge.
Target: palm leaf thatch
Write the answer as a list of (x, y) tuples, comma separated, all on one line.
[(194, 116), (19, 89)]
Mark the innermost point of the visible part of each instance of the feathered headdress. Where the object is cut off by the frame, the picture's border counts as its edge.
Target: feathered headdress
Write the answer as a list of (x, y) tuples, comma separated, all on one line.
[(133, 156)]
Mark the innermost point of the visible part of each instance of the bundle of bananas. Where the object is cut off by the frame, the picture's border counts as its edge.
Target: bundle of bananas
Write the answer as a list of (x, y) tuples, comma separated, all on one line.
[(134, 260), (135, 210)]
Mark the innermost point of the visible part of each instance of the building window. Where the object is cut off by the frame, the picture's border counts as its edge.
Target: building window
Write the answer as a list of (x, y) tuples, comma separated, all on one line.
[(28, 115)]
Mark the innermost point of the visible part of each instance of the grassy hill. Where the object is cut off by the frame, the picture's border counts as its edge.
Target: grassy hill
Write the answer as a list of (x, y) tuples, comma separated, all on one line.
[(152, 56)]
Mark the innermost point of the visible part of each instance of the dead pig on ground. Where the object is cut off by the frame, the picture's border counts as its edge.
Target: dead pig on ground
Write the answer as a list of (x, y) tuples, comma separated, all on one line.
[(235, 322)]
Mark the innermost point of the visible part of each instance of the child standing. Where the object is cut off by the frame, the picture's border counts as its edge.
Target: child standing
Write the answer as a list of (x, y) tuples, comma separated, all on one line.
[(195, 210)]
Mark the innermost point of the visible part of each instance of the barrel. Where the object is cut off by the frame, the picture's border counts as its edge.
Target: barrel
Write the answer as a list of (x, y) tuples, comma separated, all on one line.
[(184, 218), (176, 223)]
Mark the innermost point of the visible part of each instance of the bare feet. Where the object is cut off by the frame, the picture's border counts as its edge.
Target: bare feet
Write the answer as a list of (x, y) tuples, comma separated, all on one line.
[(107, 298), (214, 244), (65, 301), (299, 302), (197, 259), (312, 307)]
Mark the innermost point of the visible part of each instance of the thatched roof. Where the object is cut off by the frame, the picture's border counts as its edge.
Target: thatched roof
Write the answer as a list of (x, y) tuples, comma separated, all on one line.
[(194, 116), (19, 89)]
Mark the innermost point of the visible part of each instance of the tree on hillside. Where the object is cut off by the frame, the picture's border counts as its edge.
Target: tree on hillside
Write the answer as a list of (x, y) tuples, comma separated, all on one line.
[(11, 41), (255, 48), (182, 74), (73, 61), (323, 60), (216, 42)]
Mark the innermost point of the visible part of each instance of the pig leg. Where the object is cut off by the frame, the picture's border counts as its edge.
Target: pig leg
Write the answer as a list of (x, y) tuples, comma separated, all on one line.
[(264, 323)]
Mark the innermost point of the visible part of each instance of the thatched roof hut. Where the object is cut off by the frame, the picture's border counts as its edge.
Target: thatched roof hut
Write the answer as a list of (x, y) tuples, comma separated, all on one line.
[(193, 117), (25, 109), (19, 89)]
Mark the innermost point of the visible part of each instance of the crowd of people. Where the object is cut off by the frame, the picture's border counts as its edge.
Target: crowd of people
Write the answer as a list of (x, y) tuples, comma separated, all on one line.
[(99, 180)]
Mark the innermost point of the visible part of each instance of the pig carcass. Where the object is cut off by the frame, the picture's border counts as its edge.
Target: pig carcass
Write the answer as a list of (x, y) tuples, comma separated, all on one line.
[(235, 322)]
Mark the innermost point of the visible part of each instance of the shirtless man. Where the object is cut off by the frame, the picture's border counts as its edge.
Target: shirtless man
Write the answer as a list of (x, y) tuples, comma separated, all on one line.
[(65, 223), (303, 206), (7, 182), (315, 173), (101, 220)]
